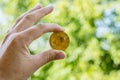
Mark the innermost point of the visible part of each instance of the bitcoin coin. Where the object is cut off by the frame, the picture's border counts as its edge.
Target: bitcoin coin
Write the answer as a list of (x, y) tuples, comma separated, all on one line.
[(59, 40)]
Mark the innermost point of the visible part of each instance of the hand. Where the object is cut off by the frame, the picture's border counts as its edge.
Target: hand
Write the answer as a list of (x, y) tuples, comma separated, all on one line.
[(16, 62)]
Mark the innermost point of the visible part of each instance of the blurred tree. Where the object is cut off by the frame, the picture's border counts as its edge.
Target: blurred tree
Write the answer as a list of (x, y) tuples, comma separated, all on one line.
[(93, 27)]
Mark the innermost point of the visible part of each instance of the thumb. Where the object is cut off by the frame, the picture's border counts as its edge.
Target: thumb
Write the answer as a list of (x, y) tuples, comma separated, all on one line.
[(47, 56)]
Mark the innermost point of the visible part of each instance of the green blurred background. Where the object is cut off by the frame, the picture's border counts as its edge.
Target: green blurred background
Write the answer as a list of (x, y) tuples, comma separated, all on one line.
[(94, 30)]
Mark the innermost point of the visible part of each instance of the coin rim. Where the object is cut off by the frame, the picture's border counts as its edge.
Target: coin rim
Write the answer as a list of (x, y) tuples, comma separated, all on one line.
[(59, 32)]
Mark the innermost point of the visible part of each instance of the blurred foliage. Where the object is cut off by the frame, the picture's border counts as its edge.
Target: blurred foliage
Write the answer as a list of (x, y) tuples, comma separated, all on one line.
[(94, 30)]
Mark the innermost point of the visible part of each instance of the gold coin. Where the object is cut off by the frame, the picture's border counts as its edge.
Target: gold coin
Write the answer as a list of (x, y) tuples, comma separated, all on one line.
[(59, 40)]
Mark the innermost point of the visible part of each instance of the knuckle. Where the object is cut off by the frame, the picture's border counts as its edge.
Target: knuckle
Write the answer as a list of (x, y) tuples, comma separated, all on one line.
[(29, 17), (41, 24), (42, 27), (52, 51), (51, 55)]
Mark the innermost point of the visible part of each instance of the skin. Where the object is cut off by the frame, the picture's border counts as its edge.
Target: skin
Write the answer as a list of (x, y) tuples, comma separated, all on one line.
[(16, 62)]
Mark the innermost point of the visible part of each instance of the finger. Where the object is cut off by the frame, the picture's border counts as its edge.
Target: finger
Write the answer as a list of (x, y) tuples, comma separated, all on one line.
[(31, 10), (36, 31), (29, 19), (47, 56), (18, 20)]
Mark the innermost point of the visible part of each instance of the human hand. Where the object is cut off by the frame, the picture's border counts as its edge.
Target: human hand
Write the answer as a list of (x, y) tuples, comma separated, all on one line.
[(16, 62)]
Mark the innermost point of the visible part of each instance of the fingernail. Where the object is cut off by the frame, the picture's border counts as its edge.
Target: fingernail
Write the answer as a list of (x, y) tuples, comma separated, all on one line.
[(60, 55), (62, 29), (50, 6)]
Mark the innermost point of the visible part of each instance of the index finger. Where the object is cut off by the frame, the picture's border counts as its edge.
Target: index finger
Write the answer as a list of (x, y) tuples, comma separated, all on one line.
[(34, 32)]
